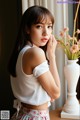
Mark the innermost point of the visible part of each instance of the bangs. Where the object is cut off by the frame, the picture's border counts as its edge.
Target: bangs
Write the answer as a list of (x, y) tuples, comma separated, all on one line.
[(38, 14), (44, 17)]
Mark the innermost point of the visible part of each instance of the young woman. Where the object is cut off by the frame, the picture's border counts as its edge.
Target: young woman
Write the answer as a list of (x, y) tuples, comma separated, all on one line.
[(34, 77)]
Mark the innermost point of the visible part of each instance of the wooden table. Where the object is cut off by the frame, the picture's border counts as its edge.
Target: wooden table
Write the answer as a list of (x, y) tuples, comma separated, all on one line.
[(55, 115)]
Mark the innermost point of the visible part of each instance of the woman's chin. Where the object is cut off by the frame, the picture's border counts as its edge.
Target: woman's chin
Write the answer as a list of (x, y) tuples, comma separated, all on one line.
[(43, 44)]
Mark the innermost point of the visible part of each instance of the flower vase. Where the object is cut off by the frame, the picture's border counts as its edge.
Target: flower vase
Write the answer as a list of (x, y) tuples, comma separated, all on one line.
[(71, 72)]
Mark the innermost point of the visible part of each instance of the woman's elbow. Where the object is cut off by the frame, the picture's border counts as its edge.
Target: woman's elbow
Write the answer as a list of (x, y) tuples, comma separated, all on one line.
[(56, 95)]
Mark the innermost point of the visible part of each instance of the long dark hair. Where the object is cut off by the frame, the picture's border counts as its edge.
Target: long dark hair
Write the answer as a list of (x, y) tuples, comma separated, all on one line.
[(32, 15)]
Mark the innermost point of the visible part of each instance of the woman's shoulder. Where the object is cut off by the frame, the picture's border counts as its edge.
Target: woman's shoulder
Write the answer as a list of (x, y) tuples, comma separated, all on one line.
[(33, 57), (38, 56), (37, 52)]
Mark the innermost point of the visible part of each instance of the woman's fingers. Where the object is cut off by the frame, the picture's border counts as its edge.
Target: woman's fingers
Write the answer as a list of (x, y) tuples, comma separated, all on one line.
[(52, 41), (51, 46)]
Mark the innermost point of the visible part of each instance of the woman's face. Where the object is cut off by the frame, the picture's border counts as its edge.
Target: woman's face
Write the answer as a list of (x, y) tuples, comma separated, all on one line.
[(41, 32)]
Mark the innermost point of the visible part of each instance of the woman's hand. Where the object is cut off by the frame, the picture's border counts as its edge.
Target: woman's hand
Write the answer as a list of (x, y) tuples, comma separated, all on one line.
[(51, 47)]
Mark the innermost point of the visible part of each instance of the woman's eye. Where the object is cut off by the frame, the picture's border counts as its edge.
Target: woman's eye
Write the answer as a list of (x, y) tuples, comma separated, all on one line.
[(38, 26), (50, 26)]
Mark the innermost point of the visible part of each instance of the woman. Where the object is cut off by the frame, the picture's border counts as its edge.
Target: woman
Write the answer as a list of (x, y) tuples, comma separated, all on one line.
[(34, 77)]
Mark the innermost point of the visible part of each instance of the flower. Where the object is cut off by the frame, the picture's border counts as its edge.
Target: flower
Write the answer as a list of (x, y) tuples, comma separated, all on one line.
[(70, 44)]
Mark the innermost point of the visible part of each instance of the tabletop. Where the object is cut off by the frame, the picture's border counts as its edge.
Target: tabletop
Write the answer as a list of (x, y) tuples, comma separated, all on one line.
[(55, 115)]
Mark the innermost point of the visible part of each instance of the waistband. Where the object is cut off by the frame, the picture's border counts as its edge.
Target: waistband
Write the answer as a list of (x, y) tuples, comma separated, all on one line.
[(38, 107)]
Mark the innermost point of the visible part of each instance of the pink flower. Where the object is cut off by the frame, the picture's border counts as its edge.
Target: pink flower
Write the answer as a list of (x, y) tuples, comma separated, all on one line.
[(74, 49), (70, 44), (78, 31), (66, 29), (67, 44), (34, 112), (62, 33)]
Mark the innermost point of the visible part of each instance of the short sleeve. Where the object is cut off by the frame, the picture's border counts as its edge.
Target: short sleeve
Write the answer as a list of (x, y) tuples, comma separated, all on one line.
[(40, 69)]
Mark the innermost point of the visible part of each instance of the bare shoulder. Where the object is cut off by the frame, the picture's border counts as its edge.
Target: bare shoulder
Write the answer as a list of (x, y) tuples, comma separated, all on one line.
[(34, 56), (38, 53), (37, 56), (31, 58)]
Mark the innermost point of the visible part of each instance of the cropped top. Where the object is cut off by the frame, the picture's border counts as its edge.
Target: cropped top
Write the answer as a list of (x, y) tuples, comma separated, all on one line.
[(26, 88)]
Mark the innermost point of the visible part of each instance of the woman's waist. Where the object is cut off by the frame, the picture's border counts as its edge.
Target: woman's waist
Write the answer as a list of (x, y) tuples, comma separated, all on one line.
[(36, 107)]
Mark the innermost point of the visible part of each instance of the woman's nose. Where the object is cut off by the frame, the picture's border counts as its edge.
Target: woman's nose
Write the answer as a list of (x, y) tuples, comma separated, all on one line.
[(45, 31)]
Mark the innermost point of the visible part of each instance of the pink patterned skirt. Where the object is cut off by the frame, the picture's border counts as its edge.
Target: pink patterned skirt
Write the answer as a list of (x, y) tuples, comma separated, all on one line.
[(31, 114)]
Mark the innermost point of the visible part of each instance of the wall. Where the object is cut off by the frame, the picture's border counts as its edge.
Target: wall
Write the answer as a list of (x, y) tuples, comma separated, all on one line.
[(9, 21)]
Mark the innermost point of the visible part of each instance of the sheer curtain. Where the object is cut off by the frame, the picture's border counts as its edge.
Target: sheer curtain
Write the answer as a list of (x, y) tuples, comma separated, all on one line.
[(60, 13)]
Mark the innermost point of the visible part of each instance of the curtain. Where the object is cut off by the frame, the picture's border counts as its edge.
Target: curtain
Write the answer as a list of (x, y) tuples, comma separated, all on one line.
[(78, 85), (60, 13)]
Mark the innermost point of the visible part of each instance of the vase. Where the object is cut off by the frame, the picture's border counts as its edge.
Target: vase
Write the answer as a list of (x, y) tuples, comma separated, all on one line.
[(71, 72)]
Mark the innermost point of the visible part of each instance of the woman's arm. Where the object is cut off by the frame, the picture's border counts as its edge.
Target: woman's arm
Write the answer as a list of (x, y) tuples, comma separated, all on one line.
[(50, 79), (51, 47), (36, 56)]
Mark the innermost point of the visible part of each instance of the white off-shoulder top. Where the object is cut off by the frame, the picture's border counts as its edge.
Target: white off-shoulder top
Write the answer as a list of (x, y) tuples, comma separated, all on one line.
[(26, 88)]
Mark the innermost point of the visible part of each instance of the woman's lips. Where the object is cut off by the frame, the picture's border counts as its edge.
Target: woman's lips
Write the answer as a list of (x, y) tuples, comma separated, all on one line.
[(44, 39)]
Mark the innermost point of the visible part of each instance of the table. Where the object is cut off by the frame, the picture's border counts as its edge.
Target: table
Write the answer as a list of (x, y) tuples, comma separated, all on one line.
[(55, 115)]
